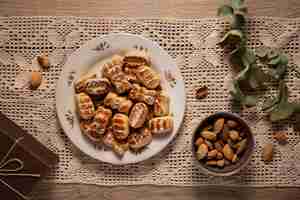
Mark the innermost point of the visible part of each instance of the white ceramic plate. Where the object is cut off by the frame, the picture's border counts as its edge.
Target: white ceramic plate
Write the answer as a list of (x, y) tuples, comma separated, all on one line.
[(88, 58)]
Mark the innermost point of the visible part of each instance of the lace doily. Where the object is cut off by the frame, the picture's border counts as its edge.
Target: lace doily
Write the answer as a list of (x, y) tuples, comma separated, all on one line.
[(192, 43)]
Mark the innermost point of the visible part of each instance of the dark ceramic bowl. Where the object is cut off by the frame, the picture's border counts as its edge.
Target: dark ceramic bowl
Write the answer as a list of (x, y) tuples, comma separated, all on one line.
[(232, 168)]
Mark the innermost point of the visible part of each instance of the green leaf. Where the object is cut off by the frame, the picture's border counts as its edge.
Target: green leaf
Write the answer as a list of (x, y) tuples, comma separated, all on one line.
[(243, 75), (236, 4), (248, 57), (236, 92), (278, 72), (262, 51), (274, 61), (283, 59), (257, 77), (232, 37), (283, 111), (249, 100), (225, 10), (283, 92)]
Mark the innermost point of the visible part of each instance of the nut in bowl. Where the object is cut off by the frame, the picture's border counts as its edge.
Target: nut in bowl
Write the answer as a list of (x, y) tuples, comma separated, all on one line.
[(222, 144)]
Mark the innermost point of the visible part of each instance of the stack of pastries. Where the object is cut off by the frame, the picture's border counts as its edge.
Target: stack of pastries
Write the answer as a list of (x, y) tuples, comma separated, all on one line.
[(126, 106)]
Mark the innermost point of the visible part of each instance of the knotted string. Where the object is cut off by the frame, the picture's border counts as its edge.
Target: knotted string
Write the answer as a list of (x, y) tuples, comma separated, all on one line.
[(19, 165)]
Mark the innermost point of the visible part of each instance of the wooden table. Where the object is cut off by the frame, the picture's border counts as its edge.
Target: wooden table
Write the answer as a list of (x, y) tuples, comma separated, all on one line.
[(150, 8)]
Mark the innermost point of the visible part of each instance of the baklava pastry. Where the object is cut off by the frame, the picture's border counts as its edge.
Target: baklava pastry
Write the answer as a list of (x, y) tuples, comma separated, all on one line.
[(85, 106), (117, 59), (140, 139), (125, 105), (89, 130), (131, 74), (120, 147), (102, 119), (112, 100), (161, 105), (110, 71), (97, 87), (122, 85), (108, 137), (120, 126), (148, 77), (135, 58), (138, 115), (117, 77), (80, 85), (122, 104), (142, 94), (161, 125)]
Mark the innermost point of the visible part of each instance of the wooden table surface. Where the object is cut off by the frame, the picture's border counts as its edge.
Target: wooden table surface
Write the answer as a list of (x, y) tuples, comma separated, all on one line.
[(150, 8)]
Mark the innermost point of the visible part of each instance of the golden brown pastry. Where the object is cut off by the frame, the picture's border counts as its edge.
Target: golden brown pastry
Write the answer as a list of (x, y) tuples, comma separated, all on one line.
[(138, 115), (120, 126), (120, 147), (117, 77), (122, 104), (161, 105), (125, 105), (135, 58), (102, 119), (148, 77), (97, 87), (117, 59), (85, 106), (122, 85), (80, 85), (138, 140), (88, 128), (161, 125), (108, 137), (131, 74), (141, 94)]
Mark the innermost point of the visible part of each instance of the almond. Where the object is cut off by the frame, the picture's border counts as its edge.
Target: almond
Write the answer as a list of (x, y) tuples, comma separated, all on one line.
[(43, 60), (281, 137), (228, 152), (209, 135), (220, 156), (212, 154), (212, 162), (225, 133), (221, 163), (218, 125), (199, 141), (232, 123), (235, 158), (234, 135), (202, 151), (35, 80), (241, 146), (267, 152)]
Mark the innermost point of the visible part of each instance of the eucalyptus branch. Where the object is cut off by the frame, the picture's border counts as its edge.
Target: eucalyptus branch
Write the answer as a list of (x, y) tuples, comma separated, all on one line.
[(250, 74)]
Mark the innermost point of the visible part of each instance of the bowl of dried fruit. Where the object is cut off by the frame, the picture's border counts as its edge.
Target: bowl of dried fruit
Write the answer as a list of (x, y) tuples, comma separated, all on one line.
[(222, 144)]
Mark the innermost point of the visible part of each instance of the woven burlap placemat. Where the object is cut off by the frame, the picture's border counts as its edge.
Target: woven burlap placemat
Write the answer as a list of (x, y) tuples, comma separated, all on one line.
[(193, 45)]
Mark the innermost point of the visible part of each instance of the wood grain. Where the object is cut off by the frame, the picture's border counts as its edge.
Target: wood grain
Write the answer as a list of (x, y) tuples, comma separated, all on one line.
[(150, 8), (143, 8), (148, 192)]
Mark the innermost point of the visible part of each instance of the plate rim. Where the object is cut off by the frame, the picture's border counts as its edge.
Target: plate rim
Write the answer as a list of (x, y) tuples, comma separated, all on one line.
[(60, 117)]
